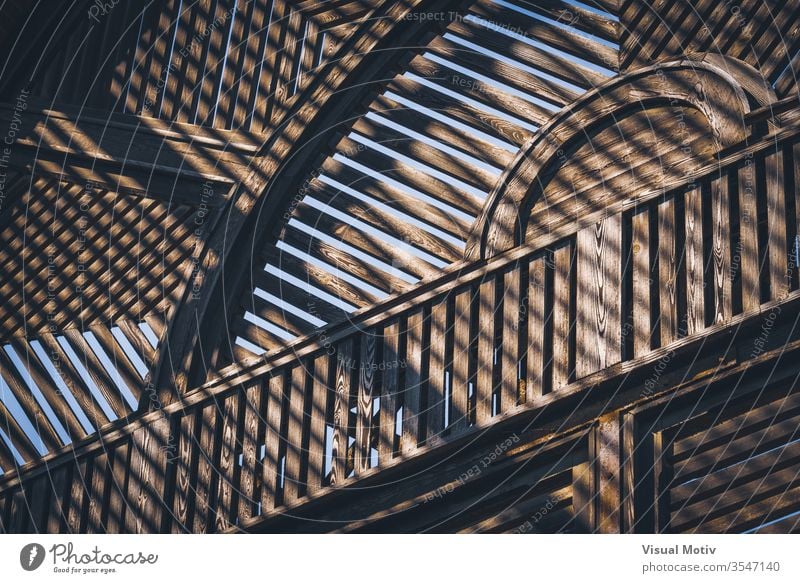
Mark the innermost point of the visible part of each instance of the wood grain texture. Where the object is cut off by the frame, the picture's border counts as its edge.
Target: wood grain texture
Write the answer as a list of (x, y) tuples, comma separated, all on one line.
[(642, 284), (391, 397), (321, 388), (721, 249), (694, 259), (563, 304), (668, 267), (412, 390), (487, 347), (438, 368), (598, 301)]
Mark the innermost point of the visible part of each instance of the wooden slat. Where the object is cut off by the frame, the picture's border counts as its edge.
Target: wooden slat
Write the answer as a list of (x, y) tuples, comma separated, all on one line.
[(101, 377), (30, 407), (437, 367), (779, 275), (320, 389), (186, 466), (397, 198), (191, 72), (381, 249), (556, 37), (271, 464), (341, 260), (119, 484), (98, 499), (424, 154), (341, 410), (642, 274), (56, 516), (183, 40), (748, 250), (484, 386), (319, 278), (489, 95), (463, 346), (18, 438), (510, 347), (236, 47), (562, 310), (123, 365), (721, 249), (390, 397), (291, 44), (297, 297), (247, 84), (252, 438), (78, 497), (42, 380), (489, 66), (668, 271), (228, 465), (465, 142), (598, 301), (293, 486), (385, 222), (367, 390), (695, 262), (475, 117), (535, 321), (205, 486), (146, 478), (214, 61), (412, 402)]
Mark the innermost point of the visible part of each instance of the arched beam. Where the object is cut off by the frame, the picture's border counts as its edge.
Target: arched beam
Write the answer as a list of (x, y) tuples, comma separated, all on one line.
[(259, 197), (687, 82)]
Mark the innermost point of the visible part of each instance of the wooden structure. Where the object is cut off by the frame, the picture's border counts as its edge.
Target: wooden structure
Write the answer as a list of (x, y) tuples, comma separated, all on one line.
[(400, 266)]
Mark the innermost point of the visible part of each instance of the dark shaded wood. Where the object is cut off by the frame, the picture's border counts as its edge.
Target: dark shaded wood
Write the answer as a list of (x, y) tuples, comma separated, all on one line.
[(412, 380)]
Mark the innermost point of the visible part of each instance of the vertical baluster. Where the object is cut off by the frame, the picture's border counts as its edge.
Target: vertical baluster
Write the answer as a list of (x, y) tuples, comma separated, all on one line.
[(695, 262), (485, 381), (293, 480), (341, 410), (512, 313), (721, 249), (534, 369), (59, 490), (437, 393), (185, 472), (367, 389), (207, 455), (642, 274), (667, 272), (598, 324), (779, 277), (119, 485), (97, 498), (270, 467), (389, 392), (146, 479), (252, 438), (228, 466), (412, 403), (562, 310), (319, 412), (462, 360), (748, 250)]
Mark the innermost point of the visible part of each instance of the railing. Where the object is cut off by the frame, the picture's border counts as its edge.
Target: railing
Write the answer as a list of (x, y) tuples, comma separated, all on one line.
[(454, 355)]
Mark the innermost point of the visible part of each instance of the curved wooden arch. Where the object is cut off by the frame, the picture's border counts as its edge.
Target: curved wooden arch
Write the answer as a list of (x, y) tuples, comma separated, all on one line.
[(251, 204), (701, 85)]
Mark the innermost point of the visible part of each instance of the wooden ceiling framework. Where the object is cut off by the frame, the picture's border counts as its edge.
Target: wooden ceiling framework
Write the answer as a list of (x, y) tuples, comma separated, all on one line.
[(319, 244)]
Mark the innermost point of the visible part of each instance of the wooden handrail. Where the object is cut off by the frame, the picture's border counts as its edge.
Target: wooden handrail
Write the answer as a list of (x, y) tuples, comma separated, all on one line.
[(557, 311)]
